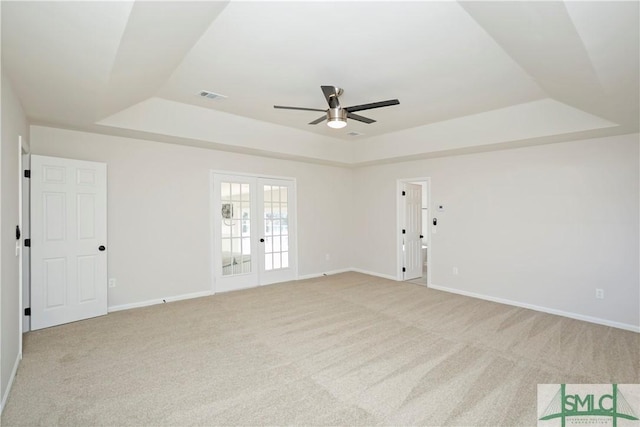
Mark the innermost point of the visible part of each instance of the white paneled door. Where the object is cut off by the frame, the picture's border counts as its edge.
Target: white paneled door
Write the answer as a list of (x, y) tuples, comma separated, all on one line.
[(68, 240), (412, 234), (253, 231)]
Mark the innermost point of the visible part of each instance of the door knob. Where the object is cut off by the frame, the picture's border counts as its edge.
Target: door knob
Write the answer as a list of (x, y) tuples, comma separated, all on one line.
[(261, 240), (101, 248)]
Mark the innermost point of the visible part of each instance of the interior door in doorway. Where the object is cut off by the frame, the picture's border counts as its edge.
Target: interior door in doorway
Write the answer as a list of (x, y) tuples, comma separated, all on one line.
[(412, 235), (68, 240)]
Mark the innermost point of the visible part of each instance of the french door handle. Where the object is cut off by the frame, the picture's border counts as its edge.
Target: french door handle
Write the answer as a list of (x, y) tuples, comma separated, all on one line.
[(261, 240), (101, 248)]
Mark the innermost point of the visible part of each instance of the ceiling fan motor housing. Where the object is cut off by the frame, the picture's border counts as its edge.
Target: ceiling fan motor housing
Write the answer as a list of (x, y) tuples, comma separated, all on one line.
[(338, 114), (336, 118)]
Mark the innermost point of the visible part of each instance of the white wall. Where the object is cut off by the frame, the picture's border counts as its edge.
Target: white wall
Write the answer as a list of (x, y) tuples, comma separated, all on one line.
[(13, 124), (540, 226), (158, 210)]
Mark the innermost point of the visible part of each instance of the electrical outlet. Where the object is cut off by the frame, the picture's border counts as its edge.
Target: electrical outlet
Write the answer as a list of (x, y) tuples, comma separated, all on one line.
[(599, 293), (112, 283), (455, 271)]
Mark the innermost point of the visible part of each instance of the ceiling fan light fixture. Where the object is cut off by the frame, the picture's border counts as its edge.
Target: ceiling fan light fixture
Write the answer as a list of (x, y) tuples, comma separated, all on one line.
[(336, 118), (336, 124)]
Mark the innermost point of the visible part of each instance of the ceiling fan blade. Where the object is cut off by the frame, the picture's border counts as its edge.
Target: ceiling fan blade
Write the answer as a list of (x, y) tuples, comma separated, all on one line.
[(331, 93), (318, 120), (297, 108), (360, 118), (372, 105)]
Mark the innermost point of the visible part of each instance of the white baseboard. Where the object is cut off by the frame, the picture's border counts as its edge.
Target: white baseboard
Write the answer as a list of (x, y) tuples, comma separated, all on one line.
[(576, 316), (371, 273), (159, 301), (14, 371), (585, 318), (326, 273), (347, 270), (147, 303)]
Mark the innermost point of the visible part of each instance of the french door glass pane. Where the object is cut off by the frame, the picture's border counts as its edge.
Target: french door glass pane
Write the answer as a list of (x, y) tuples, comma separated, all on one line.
[(276, 228), (235, 228)]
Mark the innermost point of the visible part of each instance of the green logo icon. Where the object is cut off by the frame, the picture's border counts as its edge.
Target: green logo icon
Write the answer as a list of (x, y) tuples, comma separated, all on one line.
[(613, 405)]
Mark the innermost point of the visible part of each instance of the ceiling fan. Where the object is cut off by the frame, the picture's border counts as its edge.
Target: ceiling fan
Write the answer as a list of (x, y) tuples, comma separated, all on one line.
[(336, 115)]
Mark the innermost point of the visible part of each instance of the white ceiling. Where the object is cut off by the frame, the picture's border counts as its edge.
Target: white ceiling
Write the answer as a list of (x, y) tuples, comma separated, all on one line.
[(469, 75)]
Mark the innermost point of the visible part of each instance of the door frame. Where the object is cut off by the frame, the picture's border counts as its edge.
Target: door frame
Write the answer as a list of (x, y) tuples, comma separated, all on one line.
[(426, 228), (25, 290), (19, 246), (213, 250)]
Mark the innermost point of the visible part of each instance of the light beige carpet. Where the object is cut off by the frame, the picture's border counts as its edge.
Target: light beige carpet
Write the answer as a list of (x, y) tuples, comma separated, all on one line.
[(348, 349)]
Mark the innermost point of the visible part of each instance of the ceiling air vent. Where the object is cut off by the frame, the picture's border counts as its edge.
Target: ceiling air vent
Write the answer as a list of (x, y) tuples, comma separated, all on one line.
[(211, 95), (355, 134)]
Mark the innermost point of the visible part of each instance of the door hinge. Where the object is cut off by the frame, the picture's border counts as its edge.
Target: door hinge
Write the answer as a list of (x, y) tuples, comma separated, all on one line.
[(404, 193), (27, 173), (404, 270), (404, 231), (27, 311), (27, 243)]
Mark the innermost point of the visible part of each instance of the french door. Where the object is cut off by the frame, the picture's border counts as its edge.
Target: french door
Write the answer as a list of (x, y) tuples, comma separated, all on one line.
[(254, 234)]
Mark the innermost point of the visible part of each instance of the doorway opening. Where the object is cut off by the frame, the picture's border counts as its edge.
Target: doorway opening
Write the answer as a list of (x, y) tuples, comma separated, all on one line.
[(253, 231), (414, 234)]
